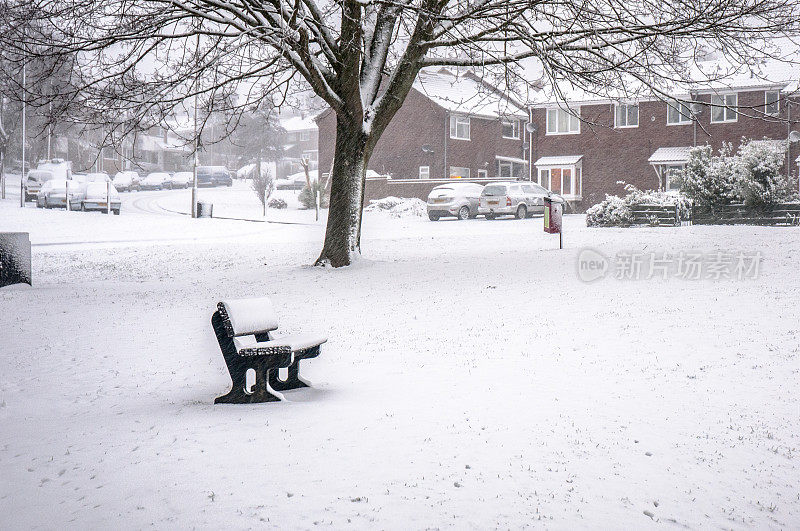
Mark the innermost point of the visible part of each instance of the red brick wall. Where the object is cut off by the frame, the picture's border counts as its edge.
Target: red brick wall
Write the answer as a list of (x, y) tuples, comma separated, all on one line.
[(418, 123), (611, 155)]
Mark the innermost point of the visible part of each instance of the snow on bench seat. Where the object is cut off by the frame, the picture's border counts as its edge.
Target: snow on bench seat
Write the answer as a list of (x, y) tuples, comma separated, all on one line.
[(248, 316)]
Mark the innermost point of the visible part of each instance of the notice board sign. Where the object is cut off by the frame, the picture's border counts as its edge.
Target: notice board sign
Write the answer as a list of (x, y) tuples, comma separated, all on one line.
[(15, 258)]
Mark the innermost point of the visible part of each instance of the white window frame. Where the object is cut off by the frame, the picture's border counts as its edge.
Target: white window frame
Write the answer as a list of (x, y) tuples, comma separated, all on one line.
[(467, 176), (304, 136), (576, 113), (725, 107), (627, 106), (684, 119), (455, 121), (509, 165), (776, 103), (514, 127), (424, 172), (483, 174), (666, 171), (574, 169)]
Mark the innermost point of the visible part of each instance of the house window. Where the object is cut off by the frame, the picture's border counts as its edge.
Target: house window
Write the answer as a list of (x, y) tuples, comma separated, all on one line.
[(771, 102), (483, 174), (305, 135), (671, 172), (564, 180), (723, 108), (511, 129), (544, 178), (626, 115), (505, 169), (109, 152), (459, 127), (459, 173), (424, 172), (678, 112), (561, 122)]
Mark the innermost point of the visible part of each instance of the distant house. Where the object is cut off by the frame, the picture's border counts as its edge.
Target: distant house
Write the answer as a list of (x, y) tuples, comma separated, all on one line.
[(300, 140), (584, 147), (451, 126)]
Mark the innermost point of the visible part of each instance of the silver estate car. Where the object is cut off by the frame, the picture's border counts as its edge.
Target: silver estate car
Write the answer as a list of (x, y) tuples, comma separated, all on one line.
[(519, 199), (454, 199), (34, 181), (96, 196), (53, 193)]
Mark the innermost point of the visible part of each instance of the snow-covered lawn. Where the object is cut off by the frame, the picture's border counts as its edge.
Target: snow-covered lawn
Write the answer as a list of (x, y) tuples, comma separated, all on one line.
[(470, 380)]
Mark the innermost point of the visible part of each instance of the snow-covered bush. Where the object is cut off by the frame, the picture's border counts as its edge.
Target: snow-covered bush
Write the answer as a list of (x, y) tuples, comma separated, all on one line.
[(709, 179), (760, 181), (617, 211), (277, 202), (399, 206)]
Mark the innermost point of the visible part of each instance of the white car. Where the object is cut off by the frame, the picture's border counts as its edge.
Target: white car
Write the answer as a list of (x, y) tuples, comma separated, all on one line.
[(126, 181), (518, 199), (98, 177), (456, 199), (180, 179), (96, 196), (154, 181), (34, 181)]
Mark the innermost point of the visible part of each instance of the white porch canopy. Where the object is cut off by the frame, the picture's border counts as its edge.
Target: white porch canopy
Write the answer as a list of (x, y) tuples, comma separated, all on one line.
[(670, 155), (564, 160)]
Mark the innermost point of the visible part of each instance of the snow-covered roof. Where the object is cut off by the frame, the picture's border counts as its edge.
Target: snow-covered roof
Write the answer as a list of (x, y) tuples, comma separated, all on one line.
[(704, 77), (299, 123), (466, 94), (558, 161), (665, 155)]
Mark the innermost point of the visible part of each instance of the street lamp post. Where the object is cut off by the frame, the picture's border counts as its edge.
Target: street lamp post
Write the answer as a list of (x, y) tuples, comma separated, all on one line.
[(24, 112)]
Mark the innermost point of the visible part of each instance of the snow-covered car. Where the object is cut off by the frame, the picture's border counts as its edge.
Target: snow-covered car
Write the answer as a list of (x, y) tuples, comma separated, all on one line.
[(295, 181), (96, 196), (53, 193), (213, 176), (519, 199), (179, 179), (456, 199), (125, 181), (154, 181), (97, 177), (34, 181)]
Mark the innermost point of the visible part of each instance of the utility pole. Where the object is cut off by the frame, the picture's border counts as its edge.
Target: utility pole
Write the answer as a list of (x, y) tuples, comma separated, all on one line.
[(196, 143), (24, 111)]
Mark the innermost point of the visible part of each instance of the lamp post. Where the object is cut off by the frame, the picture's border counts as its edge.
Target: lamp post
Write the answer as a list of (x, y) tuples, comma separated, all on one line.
[(793, 137)]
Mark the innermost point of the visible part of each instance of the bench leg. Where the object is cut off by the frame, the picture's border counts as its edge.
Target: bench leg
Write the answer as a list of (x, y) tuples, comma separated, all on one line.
[(237, 395), (293, 380)]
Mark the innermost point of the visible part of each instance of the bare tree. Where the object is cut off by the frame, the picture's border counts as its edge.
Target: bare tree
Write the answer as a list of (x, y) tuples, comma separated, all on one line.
[(141, 59)]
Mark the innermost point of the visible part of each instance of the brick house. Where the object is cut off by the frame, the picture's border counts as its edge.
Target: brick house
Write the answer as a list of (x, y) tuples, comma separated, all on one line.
[(582, 149), (451, 126), (299, 141)]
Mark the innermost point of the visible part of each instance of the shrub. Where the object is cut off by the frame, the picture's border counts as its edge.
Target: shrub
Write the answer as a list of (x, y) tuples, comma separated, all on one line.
[(277, 202), (398, 207), (262, 184), (307, 198), (757, 169), (617, 211), (709, 180)]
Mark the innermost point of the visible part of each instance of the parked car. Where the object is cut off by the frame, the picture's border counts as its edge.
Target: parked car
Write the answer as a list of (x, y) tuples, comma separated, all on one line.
[(101, 177), (296, 181), (96, 196), (34, 181), (213, 176), (457, 199), (154, 181), (519, 199), (54, 193), (180, 179), (126, 181)]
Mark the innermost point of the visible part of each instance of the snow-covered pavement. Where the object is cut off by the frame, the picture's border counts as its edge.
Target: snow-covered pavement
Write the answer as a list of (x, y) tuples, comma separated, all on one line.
[(470, 380)]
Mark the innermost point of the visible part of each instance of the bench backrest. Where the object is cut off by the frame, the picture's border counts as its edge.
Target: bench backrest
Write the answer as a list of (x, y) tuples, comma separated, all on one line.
[(243, 317)]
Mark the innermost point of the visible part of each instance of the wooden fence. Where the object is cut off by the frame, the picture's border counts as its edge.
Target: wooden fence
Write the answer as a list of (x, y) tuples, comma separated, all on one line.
[(656, 215), (785, 214)]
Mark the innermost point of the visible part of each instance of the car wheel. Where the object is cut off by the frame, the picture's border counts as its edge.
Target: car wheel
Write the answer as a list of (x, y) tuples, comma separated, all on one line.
[(433, 216), (463, 213), (489, 215), (116, 212), (522, 212)]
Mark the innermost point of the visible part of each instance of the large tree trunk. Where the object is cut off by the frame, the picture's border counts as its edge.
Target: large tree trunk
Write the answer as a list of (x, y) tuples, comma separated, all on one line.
[(343, 233)]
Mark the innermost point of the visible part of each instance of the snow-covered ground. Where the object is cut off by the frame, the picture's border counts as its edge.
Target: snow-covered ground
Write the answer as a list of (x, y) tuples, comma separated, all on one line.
[(470, 380)]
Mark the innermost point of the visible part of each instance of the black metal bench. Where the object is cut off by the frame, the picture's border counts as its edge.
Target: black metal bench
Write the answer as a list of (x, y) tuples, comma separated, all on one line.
[(237, 321)]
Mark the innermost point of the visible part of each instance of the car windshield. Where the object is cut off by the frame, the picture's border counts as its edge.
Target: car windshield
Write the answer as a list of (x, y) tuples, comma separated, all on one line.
[(494, 189), (539, 189), (40, 176)]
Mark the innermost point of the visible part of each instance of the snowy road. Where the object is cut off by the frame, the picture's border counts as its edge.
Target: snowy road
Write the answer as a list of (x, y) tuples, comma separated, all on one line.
[(471, 380)]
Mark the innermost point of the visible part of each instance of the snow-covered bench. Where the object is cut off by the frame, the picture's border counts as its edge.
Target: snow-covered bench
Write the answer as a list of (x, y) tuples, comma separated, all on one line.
[(243, 329)]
